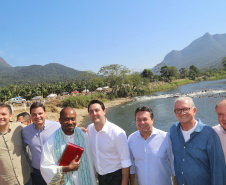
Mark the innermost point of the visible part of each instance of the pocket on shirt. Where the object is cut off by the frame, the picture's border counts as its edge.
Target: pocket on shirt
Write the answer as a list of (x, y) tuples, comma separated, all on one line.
[(159, 154), (199, 153)]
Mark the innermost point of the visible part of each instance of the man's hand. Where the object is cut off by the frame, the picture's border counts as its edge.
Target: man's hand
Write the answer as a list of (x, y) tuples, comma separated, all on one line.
[(73, 166), (83, 129)]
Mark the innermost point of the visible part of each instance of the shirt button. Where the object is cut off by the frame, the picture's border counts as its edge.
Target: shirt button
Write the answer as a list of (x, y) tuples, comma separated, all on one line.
[(183, 159), (182, 173), (184, 146)]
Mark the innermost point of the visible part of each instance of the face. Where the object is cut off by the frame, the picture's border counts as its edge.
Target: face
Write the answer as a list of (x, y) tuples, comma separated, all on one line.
[(96, 114), (221, 113), (144, 122), (185, 117), (23, 120), (20, 119), (4, 116), (38, 116), (68, 121)]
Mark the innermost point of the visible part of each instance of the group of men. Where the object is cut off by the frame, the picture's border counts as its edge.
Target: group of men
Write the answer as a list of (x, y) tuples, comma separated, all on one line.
[(191, 153)]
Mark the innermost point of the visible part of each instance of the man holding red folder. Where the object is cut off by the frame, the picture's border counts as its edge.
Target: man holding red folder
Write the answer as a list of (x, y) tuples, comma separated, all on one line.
[(109, 147), (79, 172)]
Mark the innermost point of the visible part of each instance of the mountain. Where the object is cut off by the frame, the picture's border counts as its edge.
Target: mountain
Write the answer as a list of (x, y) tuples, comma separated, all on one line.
[(35, 74), (205, 52), (3, 64)]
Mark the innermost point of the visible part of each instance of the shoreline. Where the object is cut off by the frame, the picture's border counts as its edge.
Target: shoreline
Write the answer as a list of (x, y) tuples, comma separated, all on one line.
[(82, 113), (53, 113)]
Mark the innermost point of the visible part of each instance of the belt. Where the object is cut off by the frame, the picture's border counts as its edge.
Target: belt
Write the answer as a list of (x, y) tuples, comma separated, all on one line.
[(36, 170), (109, 174)]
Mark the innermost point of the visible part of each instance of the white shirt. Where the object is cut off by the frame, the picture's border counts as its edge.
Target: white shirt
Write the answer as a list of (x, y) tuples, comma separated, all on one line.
[(49, 166), (109, 148), (151, 158), (187, 134)]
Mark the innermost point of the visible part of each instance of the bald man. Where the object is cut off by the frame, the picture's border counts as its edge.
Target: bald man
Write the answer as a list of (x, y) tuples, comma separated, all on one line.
[(221, 127), (81, 172)]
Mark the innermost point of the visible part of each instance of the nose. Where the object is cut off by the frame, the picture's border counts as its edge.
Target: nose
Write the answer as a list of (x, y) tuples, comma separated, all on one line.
[(141, 122), (70, 121), (182, 112)]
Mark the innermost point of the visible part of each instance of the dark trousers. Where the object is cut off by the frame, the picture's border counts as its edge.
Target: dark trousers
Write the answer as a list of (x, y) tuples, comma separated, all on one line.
[(114, 178), (37, 178)]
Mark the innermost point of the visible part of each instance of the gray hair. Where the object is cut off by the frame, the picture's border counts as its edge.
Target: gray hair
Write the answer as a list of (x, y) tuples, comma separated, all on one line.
[(183, 98)]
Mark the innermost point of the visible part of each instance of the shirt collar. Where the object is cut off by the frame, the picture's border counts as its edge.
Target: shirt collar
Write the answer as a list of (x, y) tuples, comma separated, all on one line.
[(153, 133), (198, 128), (222, 129), (34, 126), (106, 126), (9, 130)]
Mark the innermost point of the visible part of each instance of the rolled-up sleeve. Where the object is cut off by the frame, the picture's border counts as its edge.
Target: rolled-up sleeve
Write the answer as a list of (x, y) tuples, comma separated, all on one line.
[(123, 150)]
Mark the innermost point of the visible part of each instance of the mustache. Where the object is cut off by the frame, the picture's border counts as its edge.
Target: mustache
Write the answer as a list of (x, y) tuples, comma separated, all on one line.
[(70, 125)]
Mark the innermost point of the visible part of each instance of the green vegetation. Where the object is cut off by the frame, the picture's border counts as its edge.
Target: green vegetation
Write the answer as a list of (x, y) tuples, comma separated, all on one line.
[(82, 101), (119, 80)]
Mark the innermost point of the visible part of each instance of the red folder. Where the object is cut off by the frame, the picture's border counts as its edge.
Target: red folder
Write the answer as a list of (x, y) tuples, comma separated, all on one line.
[(70, 153)]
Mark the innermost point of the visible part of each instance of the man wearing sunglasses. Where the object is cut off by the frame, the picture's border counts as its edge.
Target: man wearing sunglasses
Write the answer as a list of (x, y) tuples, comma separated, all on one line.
[(198, 155)]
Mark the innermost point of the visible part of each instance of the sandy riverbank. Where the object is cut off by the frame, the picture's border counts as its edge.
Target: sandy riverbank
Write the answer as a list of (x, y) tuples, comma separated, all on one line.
[(53, 111)]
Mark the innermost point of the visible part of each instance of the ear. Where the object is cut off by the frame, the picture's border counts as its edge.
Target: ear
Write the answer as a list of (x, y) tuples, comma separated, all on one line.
[(194, 110)]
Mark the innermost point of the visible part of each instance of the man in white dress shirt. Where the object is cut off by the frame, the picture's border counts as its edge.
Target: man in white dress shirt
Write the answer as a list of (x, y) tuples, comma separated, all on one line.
[(151, 151), (221, 127), (77, 173), (109, 147)]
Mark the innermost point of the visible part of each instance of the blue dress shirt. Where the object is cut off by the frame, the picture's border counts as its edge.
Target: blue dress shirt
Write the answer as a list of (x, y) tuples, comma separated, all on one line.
[(199, 161), (35, 139), (151, 158)]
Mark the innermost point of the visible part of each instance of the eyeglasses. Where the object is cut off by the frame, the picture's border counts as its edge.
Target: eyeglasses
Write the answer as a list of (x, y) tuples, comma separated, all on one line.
[(179, 111)]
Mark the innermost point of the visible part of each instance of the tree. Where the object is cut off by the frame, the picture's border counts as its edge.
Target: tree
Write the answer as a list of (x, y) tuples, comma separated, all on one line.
[(86, 79), (224, 62), (183, 72), (194, 72), (164, 72), (115, 73), (172, 72), (168, 73), (147, 73)]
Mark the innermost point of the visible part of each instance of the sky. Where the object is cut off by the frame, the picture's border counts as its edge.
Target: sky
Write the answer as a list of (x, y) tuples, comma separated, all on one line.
[(88, 34)]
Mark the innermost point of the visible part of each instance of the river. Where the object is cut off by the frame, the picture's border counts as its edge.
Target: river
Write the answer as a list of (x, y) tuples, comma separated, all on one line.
[(205, 94)]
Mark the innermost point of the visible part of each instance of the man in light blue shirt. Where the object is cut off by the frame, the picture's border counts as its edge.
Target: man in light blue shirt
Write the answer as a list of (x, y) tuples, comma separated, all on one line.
[(35, 135), (151, 151), (198, 155)]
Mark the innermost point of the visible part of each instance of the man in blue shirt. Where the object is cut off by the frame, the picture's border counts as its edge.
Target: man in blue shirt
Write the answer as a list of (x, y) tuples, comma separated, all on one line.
[(198, 155), (151, 151), (35, 135)]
